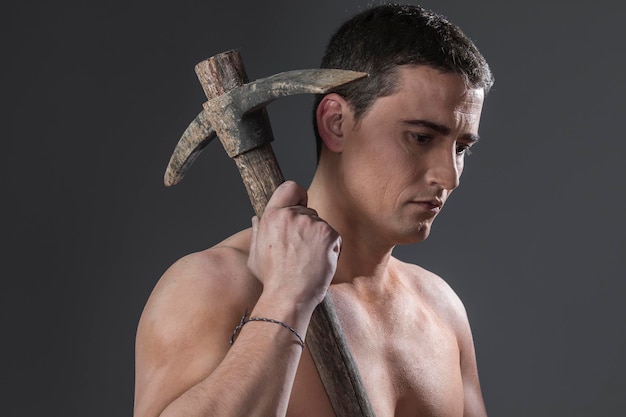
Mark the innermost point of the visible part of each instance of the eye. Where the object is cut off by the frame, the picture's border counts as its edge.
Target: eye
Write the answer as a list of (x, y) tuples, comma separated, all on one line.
[(463, 149), (421, 138)]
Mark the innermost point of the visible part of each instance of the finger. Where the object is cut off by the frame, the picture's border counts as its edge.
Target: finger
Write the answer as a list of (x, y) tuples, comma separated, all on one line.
[(308, 211), (286, 195)]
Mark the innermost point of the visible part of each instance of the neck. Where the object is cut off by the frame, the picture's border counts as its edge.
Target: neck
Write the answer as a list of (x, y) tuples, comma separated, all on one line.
[(363, 253)]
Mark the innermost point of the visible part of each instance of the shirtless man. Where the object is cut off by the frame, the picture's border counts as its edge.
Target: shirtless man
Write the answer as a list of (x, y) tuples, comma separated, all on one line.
[(391, 150)]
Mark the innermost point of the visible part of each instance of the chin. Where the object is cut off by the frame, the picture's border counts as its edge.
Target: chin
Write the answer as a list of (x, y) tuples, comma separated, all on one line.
[(415, 235)]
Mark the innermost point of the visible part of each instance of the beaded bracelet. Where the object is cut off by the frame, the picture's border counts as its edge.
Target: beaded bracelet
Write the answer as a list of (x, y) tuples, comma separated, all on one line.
[(245, 319)]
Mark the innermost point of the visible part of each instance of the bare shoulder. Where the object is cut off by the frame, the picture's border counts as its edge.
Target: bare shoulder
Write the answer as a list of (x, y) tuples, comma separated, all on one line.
[(209, 280), (209, 273), (446, 304), (185, 327), (435, 291)]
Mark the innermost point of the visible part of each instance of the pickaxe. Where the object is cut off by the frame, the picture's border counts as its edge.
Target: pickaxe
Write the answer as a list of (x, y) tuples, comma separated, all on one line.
[(235, 112)]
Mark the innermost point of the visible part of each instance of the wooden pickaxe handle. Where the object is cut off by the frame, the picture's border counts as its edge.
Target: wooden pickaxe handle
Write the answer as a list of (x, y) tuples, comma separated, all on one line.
[(261, 175)]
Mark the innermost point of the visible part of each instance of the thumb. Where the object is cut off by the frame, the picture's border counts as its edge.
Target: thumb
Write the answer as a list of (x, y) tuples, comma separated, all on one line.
[(287, 194)]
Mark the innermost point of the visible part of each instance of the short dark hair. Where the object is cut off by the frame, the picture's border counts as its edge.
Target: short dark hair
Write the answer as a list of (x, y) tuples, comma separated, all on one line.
[(380, 39)]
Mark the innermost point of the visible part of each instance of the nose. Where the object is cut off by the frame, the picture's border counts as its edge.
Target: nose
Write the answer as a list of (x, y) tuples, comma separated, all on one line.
[(445, 169)]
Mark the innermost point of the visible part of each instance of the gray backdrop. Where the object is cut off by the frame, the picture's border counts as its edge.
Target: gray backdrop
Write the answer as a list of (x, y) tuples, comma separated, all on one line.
[(96, 94)]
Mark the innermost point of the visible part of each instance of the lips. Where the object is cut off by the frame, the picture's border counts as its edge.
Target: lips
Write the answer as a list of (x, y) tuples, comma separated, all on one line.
[(433, 206)]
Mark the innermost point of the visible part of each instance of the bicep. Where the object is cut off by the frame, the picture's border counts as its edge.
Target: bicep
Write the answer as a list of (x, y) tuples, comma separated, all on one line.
[(183, 335)]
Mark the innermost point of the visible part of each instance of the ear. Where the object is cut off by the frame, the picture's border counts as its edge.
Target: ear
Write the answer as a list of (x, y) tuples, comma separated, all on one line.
[(331, 116)]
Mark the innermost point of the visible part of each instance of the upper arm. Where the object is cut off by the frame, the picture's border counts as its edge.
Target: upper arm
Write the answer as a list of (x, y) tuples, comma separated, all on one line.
[(184, 330), (474, 405)]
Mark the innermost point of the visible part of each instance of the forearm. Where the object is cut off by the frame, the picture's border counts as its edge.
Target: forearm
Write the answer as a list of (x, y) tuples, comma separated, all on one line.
[(293, 255), (256, 376)]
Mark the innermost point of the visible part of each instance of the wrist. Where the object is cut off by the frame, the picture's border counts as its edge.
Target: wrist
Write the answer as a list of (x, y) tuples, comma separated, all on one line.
[(295, 314), (247, 318)]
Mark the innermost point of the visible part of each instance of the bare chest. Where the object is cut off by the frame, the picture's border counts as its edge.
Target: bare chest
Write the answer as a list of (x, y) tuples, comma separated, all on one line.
[(407, 356)]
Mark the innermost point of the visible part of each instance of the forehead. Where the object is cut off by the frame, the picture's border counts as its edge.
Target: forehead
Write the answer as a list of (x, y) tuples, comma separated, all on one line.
[(427, 93)]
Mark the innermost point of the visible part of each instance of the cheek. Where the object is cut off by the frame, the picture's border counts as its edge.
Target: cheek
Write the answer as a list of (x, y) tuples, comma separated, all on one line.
[(374, 159)]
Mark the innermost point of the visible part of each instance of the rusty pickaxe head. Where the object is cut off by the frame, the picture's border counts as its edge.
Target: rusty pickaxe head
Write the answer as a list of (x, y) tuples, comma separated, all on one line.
[(235, 113)]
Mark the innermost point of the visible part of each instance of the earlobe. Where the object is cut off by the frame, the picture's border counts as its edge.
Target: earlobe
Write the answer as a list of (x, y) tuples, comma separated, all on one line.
[(330, 115)]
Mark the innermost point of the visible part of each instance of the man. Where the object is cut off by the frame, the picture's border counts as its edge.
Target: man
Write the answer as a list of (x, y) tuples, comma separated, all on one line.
[(391, 150)]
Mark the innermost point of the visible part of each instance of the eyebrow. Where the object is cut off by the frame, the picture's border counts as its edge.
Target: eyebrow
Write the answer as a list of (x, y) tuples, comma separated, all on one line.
[(444, 130)]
